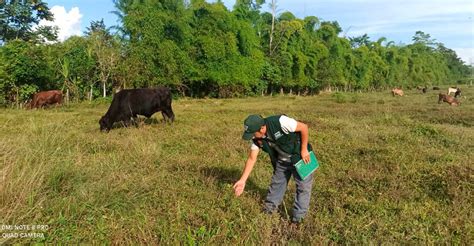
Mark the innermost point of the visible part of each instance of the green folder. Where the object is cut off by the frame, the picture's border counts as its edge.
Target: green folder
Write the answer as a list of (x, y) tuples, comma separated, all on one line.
[(304, 170)]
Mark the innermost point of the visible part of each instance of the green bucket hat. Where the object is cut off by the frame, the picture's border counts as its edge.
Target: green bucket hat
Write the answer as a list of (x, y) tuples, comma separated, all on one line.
[(252, 125)]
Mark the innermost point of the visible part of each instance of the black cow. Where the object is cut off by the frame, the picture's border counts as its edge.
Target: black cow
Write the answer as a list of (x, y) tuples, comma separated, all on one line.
[(129, 103)]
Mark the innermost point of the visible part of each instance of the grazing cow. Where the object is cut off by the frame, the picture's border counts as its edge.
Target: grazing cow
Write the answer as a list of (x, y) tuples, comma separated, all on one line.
[(45, 98), (129, 103), (449, 99), (454, 90), (435, 88), (422, 89), (397, 92)]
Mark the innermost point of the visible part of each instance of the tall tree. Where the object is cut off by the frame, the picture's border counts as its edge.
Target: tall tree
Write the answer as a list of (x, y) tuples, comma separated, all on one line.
[(331, 69), (106, 50), (17, 18), (79, 55), (423, 38), (273, 6), (23, 70), (358, 41)]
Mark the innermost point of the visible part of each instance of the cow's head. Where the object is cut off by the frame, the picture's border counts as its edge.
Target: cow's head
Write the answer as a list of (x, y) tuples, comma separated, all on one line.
[(457, 93), (104, 124)]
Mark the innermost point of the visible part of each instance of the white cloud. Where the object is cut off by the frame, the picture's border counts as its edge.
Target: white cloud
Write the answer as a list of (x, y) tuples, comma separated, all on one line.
[(69, 23), (466, 54), (383, 16)]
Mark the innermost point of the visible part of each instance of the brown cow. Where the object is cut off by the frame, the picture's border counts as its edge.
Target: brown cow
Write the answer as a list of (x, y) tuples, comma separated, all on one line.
[(44, 98), (449, 99), (397, 92)]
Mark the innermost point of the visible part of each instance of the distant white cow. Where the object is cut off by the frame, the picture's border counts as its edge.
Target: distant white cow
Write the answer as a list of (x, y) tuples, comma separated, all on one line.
[(456, 91), (452, 89)]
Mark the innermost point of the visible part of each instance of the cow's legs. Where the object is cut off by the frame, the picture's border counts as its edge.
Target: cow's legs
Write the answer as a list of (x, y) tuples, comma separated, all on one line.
[(125, 123), (165, 117), (135, 120), (168, 115), (125, 120)]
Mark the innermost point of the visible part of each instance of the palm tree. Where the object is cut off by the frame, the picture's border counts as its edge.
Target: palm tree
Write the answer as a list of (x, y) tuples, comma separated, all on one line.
[(121, 12), (65, 72)]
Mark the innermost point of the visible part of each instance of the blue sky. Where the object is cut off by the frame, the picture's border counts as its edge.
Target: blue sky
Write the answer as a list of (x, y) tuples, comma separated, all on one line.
[(450, 22)]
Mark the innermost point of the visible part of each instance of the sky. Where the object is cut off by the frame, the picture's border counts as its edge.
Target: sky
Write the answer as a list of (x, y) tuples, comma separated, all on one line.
[(450, 22)]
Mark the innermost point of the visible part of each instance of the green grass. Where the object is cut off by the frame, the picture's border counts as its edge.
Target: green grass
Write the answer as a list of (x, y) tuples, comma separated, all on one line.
[(392, 170)]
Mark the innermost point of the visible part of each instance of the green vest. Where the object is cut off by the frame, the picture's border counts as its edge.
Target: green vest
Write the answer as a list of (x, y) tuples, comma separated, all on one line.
[(289, 144)]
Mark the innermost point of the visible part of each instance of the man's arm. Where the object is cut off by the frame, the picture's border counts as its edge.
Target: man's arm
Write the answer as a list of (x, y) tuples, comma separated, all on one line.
[(303, 129), (240, 185)]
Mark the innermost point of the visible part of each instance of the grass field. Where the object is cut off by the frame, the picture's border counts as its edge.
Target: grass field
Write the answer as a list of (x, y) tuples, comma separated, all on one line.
[(393, 170)]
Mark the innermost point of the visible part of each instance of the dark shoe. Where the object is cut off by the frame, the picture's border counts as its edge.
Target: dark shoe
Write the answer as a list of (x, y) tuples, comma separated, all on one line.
[(296, 220), (268, 211)]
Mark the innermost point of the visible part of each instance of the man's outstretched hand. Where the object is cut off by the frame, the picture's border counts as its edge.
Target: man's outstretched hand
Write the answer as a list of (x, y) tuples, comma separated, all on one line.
[(239, 187)]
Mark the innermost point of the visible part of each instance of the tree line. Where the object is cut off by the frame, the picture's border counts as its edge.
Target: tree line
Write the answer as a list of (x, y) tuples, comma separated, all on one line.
[(202, 49)]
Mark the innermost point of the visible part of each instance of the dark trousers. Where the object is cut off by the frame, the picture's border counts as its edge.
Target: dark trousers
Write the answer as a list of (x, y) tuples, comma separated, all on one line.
[(282, 174)]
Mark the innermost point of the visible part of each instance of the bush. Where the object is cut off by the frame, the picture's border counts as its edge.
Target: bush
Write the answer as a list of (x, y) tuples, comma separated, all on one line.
[(339, 97), (355, 98), (101, 100)]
